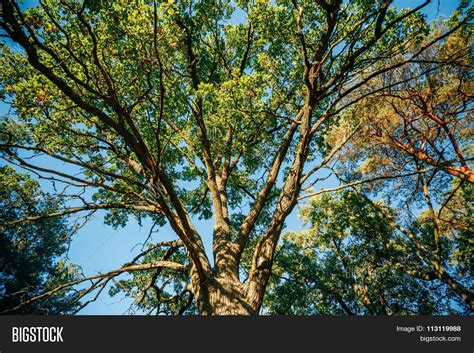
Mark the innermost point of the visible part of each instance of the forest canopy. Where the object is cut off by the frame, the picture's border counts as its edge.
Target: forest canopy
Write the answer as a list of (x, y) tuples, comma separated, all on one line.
[(356, 114)]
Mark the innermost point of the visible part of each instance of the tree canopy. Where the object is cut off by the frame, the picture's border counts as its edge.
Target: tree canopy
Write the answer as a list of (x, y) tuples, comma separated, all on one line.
[(230, 112)]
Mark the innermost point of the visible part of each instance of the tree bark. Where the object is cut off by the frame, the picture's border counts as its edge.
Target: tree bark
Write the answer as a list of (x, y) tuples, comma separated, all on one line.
[(222, 295)]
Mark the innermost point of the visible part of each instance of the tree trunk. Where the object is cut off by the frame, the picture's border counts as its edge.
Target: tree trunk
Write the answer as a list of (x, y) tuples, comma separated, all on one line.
[(222, 295)]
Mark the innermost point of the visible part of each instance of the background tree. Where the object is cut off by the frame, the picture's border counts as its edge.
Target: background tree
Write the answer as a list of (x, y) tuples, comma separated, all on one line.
[(423, 122), (32, 253), (352, 260), (167, 110)]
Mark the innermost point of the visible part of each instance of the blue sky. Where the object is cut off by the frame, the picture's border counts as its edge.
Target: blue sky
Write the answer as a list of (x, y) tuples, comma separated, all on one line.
[(98, 248)]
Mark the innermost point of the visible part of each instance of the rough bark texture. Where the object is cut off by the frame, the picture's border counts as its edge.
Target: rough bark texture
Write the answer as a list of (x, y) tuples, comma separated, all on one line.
[(224, 296)]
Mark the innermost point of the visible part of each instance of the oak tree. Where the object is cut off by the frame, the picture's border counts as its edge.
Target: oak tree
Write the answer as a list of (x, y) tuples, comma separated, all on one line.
[(186, 109)]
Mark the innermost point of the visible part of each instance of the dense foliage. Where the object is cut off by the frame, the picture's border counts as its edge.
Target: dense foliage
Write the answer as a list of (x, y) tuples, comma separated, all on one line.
[(32, 253), (352, 260), (232, 112)]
